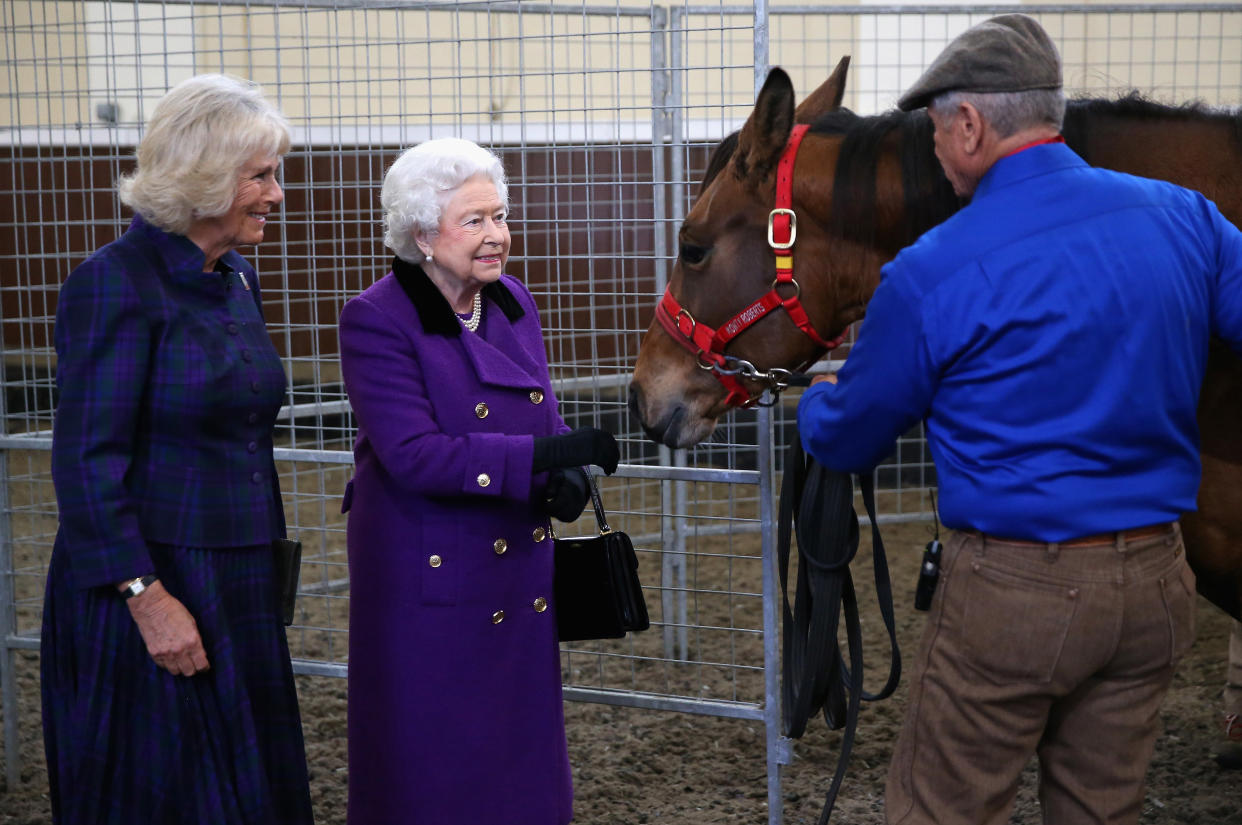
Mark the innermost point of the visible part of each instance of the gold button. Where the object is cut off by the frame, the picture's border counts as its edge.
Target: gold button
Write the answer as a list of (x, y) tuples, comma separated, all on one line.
[(536, 397), (435, 561), (484, 479), (541, 604), (480, 409), (500, 546), (539, 534), (498, 617)]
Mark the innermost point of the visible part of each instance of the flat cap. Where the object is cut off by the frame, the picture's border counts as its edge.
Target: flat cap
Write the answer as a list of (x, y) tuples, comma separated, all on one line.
[(1009, 53)]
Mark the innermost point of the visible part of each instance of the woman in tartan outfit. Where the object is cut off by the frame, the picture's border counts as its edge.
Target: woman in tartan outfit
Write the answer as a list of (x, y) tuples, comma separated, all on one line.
[(168, 694)]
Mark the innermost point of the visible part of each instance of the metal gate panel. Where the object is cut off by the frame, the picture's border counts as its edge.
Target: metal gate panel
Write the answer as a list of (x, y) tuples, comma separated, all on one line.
[(605, 115)]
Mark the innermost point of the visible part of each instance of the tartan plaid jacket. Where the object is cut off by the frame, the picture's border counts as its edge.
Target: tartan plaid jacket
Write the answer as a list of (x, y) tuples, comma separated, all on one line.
[(168, 391)]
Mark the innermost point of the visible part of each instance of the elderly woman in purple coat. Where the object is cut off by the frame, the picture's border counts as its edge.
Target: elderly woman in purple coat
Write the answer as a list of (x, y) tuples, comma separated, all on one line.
[(455, 713)]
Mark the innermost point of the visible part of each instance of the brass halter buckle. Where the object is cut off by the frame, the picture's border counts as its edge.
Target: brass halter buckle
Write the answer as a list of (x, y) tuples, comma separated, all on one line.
[(793, 228), (677, 320)]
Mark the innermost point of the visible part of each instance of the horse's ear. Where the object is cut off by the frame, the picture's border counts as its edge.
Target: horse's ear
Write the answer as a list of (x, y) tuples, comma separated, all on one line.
[(763, 138), (827, 98)]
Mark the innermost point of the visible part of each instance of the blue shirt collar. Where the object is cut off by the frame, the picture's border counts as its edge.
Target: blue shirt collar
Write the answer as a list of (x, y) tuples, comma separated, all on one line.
[(1029, 163)]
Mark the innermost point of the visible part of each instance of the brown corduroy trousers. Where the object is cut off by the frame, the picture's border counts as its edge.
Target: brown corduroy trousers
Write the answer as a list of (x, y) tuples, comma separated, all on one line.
[(1064, 652)]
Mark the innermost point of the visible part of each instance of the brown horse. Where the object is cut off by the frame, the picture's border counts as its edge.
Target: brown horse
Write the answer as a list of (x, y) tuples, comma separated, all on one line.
[(865, 187)]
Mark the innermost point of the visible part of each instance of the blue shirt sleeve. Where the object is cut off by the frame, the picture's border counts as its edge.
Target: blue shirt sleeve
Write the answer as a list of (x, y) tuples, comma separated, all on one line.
[(885, 387), (1227, 308)]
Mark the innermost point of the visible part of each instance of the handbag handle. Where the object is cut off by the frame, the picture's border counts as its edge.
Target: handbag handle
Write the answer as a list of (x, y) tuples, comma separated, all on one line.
[(600, 518)]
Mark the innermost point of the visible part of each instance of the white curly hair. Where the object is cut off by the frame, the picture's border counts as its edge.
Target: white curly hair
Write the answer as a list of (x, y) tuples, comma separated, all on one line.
[(422, 180), (200, 135)]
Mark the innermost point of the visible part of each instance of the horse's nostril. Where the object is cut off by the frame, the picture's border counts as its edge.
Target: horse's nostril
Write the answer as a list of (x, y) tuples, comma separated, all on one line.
[(656, 431), (635, 401)]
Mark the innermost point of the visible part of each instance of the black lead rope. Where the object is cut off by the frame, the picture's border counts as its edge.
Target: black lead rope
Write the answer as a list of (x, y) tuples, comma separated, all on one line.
[(815, 676)]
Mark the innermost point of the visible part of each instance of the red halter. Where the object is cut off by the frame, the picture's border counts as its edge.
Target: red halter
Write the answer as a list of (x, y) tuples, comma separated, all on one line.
[(708, 344)]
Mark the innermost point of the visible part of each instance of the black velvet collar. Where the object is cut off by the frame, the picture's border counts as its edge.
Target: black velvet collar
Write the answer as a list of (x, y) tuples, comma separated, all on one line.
[(433, 308)]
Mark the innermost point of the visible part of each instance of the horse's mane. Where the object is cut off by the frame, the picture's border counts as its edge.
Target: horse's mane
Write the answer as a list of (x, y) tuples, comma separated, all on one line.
[(928, 196), (719, 160), (1080, 112), (1134, 104)]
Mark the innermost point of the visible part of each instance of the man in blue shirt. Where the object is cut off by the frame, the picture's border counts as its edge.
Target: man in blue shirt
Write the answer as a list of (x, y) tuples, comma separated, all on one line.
[(1053, 336)]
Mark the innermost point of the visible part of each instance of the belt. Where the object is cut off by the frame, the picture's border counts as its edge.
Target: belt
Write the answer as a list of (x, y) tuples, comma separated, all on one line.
[(1099, 539)]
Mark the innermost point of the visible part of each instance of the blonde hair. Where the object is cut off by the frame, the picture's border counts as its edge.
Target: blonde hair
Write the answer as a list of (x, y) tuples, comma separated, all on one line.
[(422, 180), (201, 134)]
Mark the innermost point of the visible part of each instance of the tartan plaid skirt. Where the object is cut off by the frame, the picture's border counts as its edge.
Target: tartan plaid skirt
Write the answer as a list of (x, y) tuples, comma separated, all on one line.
[(128, 742)]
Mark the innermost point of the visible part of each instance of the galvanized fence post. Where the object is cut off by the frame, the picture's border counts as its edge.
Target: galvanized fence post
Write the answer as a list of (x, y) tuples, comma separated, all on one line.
[(8, 618)]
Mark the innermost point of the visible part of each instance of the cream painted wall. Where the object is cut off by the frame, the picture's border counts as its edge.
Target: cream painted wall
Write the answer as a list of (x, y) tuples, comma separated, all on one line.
[(40, 50), (533, 76)]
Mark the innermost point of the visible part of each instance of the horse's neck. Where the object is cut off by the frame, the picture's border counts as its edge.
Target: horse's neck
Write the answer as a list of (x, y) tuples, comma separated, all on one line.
[(1204, 154)]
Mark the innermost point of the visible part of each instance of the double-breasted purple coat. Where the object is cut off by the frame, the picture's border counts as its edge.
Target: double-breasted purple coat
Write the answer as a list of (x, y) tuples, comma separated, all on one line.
[(455, 714)]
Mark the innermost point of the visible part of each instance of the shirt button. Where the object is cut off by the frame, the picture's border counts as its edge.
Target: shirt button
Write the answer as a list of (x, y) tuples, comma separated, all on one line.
[(253, 418), (435, 561), (246, 356), (500, 546), (539, 534), (536, 397), (541, 604), (498, 617), (232, 328), (252, 446), (256, 477), (1073, 593), (480, 410), (484, 479), (254, 386)]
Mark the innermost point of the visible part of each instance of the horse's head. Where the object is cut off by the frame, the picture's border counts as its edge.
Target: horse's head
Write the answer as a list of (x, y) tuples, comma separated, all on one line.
[(726, 265)]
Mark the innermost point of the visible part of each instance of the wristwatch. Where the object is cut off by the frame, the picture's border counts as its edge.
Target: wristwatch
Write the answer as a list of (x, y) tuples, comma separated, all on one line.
[(135, 586)]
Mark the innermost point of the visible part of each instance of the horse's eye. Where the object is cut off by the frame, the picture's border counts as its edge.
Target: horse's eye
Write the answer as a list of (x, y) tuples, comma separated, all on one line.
[(692, 254)]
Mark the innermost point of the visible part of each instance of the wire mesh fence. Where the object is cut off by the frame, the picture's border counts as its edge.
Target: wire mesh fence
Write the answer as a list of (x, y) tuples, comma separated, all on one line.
[(605, 115)]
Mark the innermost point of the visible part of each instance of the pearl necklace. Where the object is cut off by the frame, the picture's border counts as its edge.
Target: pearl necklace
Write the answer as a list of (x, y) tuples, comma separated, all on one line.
[(476, 314)]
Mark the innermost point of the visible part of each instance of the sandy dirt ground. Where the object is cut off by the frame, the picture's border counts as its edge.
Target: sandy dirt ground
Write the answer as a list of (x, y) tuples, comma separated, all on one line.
[(643, 766)]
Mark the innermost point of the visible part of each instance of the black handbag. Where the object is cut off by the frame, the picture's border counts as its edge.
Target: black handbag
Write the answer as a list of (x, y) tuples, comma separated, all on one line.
[(596, 587), (288, 567)]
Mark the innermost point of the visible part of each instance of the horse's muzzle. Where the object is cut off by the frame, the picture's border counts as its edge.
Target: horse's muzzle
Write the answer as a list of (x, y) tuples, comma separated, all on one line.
[(665, 431)]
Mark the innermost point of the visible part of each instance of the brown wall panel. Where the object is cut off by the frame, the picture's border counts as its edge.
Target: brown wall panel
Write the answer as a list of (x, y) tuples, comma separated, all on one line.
[(582, 221)]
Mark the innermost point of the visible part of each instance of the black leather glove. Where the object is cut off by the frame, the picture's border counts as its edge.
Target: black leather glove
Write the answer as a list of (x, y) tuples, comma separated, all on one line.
[(585, 445), (566, 494)]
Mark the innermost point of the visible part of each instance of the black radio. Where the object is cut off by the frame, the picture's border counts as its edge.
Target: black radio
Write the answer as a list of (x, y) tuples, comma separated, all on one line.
[(929, 576)]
